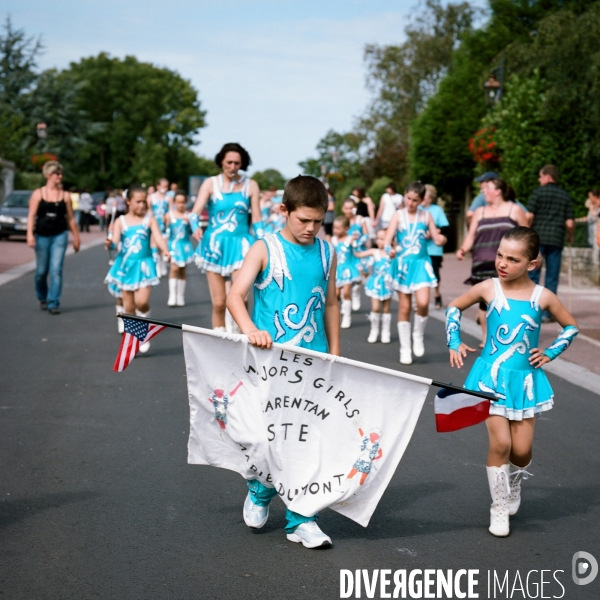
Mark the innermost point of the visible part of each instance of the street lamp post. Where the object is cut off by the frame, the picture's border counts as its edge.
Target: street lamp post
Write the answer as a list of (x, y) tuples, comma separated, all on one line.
[(42, 131), (494, 86)]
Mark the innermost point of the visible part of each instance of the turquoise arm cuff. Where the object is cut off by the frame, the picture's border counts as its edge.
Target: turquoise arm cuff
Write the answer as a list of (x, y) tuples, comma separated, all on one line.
[(194, 221), (562, 342), (453, 316), (258, 229)]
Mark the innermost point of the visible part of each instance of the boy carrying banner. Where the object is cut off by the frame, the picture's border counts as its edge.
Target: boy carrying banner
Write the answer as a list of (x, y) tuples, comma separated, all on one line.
[(294, 303)]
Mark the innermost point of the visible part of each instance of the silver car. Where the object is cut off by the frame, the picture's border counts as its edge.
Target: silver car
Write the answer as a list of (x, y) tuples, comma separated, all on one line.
[(13, 213)]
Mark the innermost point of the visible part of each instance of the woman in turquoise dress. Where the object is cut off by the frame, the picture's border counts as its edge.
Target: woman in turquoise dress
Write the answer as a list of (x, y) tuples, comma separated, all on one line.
[(509, 365), (232, 200), (410, 228)]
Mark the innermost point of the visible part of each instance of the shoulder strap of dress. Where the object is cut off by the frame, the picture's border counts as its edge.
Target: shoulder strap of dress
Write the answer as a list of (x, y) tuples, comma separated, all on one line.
[(216, 191), (123, 222), (499, 303), (535, 297), (327, 253), (146, 220), (246, 188)]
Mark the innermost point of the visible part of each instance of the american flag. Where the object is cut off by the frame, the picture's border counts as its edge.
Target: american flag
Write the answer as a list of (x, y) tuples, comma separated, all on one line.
[(136, 333)]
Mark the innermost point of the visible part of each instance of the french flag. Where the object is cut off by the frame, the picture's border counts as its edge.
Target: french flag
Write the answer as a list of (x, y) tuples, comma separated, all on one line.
[(456, 410)]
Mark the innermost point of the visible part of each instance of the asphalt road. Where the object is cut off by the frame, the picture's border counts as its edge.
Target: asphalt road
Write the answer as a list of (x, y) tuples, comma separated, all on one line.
[(97, 499)]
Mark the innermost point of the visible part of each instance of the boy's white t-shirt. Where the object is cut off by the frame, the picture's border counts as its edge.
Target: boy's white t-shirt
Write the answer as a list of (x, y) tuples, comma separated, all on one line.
[(391, 203)]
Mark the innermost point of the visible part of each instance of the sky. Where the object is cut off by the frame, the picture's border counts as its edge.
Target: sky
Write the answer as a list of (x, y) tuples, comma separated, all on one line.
[(272, 75)]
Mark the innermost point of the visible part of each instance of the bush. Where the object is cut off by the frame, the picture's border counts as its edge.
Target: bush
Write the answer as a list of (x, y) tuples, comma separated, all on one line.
[(28, 181)]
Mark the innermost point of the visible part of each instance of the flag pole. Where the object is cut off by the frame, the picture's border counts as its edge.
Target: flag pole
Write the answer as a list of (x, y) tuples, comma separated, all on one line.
[(439, 384)]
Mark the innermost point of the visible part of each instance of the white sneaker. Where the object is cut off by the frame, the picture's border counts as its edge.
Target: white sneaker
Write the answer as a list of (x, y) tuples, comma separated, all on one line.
[(310, 536), (120, 324), (145, 347), (255, 516)]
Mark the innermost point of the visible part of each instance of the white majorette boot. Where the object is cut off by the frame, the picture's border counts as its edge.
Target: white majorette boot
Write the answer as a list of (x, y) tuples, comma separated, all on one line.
[(164, 266), (355, 296), (172, 301), (499, 489), (514, 495), (143, 347), (120, 325), (346, 314), (418, 335), (386, 323), (180, 292), (375, 318), (405, 346)]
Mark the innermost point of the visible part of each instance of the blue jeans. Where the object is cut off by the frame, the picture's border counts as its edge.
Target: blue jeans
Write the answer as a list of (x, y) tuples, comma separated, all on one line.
[(261, 495), (50, 255), (553, 258)]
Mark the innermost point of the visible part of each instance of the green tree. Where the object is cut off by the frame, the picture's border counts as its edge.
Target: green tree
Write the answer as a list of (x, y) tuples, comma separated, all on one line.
[(142, 118), (269, 178), (18, 62), (402, 78)]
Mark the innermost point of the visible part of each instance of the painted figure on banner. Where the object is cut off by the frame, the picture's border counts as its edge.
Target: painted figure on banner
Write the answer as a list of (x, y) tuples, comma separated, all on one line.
[(220, 400), (370, 451)]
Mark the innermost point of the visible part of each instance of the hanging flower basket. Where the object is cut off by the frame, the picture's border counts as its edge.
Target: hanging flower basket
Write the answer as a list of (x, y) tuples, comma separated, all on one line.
[(484, 148), (39, 160)]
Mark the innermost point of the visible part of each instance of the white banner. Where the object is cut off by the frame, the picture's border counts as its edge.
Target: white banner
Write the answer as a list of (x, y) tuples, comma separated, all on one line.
[(324, 431)]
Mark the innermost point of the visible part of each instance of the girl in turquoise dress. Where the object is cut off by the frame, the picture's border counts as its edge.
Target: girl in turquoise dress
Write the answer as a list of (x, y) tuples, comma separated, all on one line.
[(379, 289), (232, 199), (509, 365), (360, 231), (409, 229), (180, 247), (134, 272), (347, 272), (159, 202)]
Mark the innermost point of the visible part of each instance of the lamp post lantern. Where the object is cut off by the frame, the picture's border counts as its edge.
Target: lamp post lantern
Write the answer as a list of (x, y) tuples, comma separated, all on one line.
[(494, 86), (42, 131)]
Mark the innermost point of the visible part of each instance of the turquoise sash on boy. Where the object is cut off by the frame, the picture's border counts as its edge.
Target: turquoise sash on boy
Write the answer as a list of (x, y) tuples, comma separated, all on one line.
[(290, 294)]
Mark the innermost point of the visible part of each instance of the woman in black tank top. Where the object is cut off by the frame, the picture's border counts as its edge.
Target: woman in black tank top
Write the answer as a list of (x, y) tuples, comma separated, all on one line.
[(50, 216)]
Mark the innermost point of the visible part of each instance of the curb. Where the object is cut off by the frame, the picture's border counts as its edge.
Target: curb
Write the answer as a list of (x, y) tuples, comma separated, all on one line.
[(27, 267), (569, 371)]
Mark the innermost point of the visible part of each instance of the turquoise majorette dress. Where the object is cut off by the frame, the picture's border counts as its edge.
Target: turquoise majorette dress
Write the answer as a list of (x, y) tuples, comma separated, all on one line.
[(160, 207), (290, 294), (379, 284), (274, 223), (180, 241), (227, 238), (365, 263), (513, 329), (412, 269), (113, 290), (134, 266), (347, 263)]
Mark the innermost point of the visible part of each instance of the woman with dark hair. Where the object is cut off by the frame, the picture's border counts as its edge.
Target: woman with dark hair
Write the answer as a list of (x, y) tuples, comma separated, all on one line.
[(230, 197), (488, 225), (364, 205)]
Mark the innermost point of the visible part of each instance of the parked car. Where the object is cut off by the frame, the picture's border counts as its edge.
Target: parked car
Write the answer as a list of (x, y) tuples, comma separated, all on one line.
[(13, 213)]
